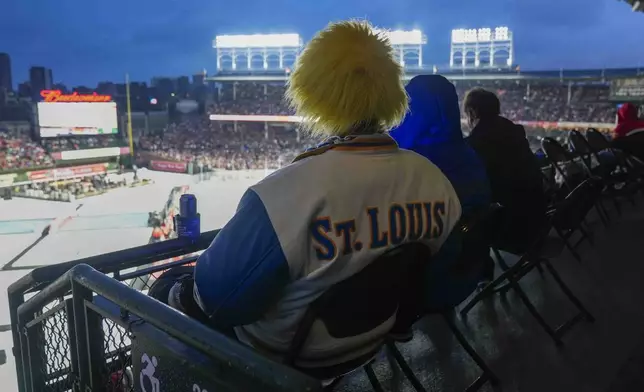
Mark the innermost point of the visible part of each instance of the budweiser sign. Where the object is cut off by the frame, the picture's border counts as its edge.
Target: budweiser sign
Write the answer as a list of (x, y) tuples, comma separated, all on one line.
[(58, 96), (175, 167)]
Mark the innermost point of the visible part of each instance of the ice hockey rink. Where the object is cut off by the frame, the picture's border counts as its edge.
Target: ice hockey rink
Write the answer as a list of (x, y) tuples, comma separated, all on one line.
[(109, 222)]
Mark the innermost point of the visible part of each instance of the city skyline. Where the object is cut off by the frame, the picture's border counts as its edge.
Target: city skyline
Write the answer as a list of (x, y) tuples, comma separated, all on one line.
[(176, 38), (42, 79)]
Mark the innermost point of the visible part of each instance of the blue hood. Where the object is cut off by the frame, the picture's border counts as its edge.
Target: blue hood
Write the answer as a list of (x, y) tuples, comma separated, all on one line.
[(433, 119), (432, 128)]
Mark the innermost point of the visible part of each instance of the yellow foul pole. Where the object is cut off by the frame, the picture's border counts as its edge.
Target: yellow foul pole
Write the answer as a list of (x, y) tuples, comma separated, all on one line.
[(129, 114)]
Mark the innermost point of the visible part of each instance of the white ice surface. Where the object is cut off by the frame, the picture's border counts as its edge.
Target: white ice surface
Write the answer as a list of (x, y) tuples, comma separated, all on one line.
[(19, 209), (72, 245), (12, 244)]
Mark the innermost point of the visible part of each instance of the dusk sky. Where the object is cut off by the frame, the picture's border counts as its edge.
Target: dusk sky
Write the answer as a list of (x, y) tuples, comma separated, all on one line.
[(89, 41)]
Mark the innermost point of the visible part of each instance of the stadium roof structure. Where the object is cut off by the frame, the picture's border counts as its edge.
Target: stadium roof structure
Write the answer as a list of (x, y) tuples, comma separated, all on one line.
[(638, 5)]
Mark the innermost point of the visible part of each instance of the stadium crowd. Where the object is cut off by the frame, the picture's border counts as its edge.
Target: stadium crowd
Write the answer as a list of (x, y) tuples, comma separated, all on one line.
[(522, 101), (21, 152), (249, 145), (245, 146)]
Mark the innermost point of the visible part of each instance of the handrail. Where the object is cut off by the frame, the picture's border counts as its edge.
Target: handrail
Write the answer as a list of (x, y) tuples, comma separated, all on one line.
[(270, 375), (157, 268), (105, 263), (117, 261)]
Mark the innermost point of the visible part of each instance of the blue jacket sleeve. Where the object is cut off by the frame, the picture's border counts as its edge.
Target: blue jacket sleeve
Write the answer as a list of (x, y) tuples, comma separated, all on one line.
[(244, 270)]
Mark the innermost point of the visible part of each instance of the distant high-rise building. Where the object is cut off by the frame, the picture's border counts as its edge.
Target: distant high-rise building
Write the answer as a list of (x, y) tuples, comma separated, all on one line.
[(59, 86), (5, 72), (82, 90), (40, 79), (199, 87), (183, 86), (24, 90), (138, 90), (198, 78), (165, 86), (106, 88)]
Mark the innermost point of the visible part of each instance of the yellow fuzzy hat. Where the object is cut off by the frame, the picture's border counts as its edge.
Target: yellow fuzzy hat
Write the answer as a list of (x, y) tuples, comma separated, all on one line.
[(347, 76)]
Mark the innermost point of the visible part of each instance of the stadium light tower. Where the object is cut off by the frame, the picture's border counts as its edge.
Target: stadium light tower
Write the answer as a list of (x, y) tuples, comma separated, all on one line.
[(257, 51), (408, 45), (481, 48)]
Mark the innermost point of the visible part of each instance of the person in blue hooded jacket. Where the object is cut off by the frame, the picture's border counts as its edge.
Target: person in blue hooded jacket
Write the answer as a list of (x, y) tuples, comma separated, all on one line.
[(432, 128)]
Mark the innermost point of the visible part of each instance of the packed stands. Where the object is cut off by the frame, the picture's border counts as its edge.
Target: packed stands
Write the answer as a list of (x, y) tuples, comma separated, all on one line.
[(521, 100), (245, 146), (20, 152), (251, 145)]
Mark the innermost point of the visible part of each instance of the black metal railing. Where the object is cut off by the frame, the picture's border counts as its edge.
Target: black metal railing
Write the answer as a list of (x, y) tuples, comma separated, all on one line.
[(116, 264), (87, 331)]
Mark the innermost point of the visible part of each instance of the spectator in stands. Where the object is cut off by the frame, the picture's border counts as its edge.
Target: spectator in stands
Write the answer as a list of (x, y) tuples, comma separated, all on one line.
[(18, 151), (279, 251), (432, 128), (513, 170), (629, 132), (628, 122)]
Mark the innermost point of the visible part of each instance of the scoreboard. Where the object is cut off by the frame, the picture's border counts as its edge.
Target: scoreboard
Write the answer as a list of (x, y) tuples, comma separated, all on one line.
[(627, 89), (67, 119), (76, 114)]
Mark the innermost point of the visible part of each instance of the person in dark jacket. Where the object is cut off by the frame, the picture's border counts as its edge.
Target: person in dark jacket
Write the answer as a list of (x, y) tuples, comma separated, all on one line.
[(432, 128), (515, 176)]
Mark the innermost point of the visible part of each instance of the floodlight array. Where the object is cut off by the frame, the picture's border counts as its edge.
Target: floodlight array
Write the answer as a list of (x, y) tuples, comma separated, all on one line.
[(486, 34), (258, 41), (501, 34), (405, 37)]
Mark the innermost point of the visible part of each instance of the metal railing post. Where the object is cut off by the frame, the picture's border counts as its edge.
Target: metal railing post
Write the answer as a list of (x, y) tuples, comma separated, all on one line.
[(16, 299), (81, 294)]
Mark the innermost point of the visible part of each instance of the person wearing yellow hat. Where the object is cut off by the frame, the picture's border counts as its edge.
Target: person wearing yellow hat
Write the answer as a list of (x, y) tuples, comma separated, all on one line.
[(330, 213)]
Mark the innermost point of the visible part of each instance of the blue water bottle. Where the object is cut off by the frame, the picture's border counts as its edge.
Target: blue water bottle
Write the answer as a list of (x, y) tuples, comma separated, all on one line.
[(188, 222)]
